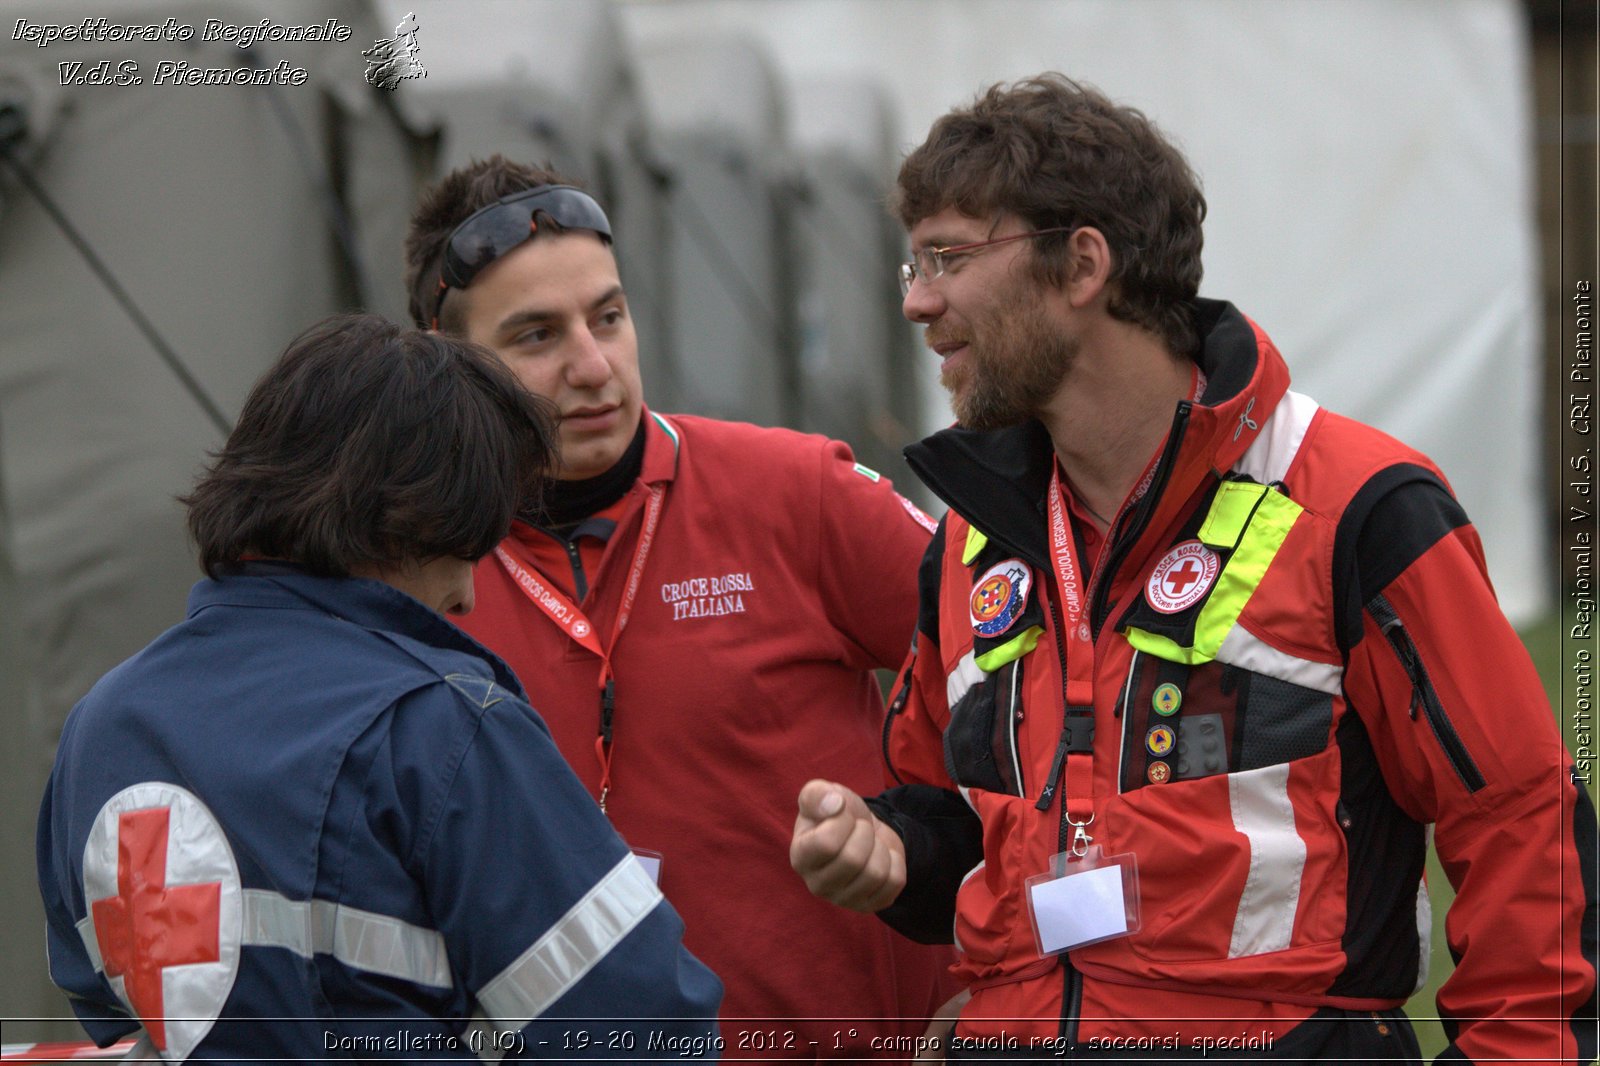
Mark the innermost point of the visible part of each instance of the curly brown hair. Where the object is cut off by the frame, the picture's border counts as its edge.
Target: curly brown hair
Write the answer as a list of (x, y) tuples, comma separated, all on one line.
[(368, 443), (445, 205), (1059, 153)]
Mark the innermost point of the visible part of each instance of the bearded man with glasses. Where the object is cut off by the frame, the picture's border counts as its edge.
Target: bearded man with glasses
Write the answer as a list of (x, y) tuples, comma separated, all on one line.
[(697, 607), (1201, 666)]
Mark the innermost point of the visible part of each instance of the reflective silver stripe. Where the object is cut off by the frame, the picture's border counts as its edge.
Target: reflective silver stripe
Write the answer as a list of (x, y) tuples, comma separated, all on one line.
[(360, 939), (1126, 714), (966, 674), (1424, 923), (1263, 813), (91, 943), (1268, 459), (1247, 651), (572, 947), (375, 943)]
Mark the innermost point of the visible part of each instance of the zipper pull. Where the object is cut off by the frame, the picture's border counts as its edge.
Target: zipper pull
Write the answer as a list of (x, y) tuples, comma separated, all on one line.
[(1077, 734), (1406, 652), (608, 709), (1394, 631), (1049, 793)]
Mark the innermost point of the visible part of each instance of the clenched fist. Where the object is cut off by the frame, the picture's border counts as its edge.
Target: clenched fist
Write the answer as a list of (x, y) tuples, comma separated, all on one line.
[(845, 854)]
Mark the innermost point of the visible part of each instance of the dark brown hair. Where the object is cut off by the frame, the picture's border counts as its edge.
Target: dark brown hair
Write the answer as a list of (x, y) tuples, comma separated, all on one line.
[(1059, 153), (445, 205), (368, 443)]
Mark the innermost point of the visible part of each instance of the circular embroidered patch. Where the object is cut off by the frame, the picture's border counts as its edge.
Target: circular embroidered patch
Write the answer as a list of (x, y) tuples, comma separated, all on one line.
[(1159, 773), (166, 909), (1167, 699), (1182, 578), (999, 596), (1160, 740)]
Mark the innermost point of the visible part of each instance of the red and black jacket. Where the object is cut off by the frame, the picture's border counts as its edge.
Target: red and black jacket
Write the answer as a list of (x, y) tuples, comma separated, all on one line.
[(1368, 694)]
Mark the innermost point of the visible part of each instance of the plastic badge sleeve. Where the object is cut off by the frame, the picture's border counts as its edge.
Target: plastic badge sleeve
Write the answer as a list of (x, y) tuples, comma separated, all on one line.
[(1084, 900)]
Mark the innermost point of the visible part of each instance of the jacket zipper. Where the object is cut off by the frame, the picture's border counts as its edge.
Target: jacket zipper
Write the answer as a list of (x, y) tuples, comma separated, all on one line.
[(1072, 980), (1423, 693), (1072, 989), (580, 583), (1014, 724), (1099, 604), (896, 705)]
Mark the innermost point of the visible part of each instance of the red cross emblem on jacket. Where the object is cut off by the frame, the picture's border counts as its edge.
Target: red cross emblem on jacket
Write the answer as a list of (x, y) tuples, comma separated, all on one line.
[(1182, 577), (164, 903), (148, 926)]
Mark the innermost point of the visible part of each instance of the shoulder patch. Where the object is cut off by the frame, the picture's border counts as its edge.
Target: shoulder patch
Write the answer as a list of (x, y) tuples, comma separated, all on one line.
[(868, 473), (166, 911), (1182, 577), (998, 596)]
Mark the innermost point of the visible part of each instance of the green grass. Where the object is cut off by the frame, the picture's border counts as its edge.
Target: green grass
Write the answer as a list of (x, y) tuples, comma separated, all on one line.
[(1543, 641)]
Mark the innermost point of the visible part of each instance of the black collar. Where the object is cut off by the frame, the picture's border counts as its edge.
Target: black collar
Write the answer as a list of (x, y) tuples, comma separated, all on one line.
[(566, 503)]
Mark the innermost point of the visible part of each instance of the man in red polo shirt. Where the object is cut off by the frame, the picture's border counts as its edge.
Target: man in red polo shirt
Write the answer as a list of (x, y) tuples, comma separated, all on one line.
[(697, 611)]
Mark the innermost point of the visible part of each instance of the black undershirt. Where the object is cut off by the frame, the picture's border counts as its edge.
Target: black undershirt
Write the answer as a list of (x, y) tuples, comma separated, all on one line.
[(566, 503), (565, 514)]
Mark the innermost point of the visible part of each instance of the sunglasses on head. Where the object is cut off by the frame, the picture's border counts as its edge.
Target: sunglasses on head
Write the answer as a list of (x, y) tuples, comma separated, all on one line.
[(491, 232)]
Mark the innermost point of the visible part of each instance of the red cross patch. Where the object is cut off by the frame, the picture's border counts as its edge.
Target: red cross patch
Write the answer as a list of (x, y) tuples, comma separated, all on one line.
[(1182, 578), (165, 910)]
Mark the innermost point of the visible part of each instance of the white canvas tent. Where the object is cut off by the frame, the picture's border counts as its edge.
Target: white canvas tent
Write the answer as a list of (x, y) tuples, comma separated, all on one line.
[(221, 213), (856, 355), (1367, 166), (723, 151)]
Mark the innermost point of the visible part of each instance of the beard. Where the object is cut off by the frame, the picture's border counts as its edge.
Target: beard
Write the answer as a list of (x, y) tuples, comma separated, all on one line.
[(1014, 363)]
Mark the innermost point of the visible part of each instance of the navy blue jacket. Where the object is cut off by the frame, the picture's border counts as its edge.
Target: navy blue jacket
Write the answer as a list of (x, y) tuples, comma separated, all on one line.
[(316, 820)]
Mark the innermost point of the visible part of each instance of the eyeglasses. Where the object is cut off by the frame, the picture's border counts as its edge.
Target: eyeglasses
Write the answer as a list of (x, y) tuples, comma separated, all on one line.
[(491, 232), (931, 262)]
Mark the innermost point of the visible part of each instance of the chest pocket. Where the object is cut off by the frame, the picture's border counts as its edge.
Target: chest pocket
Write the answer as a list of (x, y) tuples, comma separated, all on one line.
[(1203, 695), (984, 691)]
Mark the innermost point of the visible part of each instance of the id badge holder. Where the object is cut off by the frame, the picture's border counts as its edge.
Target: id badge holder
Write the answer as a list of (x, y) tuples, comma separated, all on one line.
[(1084, 900), (651, 861)]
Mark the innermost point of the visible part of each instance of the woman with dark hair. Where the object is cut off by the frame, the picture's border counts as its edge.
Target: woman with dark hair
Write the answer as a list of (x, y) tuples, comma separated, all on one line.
[(314, 819)]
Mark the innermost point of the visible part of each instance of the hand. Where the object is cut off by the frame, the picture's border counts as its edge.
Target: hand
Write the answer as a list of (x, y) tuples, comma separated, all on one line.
[(843, 853)]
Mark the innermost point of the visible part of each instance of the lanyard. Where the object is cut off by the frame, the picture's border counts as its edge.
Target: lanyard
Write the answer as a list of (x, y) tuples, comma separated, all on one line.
[(1072, 594), (564, 613), (1069, 575), (1072, 597)]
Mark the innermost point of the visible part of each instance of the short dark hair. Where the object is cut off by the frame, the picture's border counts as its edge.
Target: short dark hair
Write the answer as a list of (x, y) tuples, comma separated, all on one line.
[(445, 205), (368, 443), (1059, 153)]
